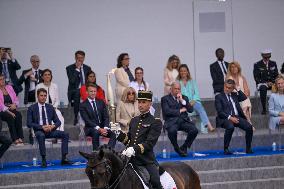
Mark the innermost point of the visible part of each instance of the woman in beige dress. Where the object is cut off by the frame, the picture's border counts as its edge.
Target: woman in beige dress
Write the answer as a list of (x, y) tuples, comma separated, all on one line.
[(171, 73), (235, 73), (123, 75), (127, 108)]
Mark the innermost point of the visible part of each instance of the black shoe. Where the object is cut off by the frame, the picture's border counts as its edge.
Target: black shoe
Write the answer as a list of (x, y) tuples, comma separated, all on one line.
[(43, 163), (249, 151), (227, 152), (183, 148), (66, 162), (263, 112), (180, 153), (75, 122)]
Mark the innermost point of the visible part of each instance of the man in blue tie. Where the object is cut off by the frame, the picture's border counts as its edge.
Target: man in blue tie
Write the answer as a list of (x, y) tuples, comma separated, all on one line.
[(95, 114), (231, 115), (44, 121)]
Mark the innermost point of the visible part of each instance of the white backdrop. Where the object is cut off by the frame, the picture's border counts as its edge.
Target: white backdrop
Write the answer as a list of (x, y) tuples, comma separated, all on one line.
[(149, 30)]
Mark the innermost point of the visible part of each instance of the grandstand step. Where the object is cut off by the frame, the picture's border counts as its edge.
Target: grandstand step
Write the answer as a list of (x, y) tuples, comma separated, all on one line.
[(271, 183), (70, 184), (43, 176), (241, 174), (236, 162)]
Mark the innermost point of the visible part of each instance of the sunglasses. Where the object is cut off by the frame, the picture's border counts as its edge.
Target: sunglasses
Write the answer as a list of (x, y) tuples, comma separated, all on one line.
[(131, 93)]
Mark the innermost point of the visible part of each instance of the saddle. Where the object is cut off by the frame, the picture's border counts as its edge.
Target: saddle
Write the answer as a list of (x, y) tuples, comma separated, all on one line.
[(166, 179)]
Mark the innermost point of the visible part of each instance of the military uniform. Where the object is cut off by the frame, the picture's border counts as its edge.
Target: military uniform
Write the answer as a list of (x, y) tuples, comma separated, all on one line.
[(144, 131), (263, 74)]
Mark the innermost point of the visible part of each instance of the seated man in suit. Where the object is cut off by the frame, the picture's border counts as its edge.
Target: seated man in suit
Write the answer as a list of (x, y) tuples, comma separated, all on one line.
[(4, 141), (218, 71), (231, 115), (175, 108), (94, 113), (43, 119)]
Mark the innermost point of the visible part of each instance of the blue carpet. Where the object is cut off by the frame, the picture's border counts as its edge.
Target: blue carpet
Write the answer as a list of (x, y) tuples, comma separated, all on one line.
[(20, 167)]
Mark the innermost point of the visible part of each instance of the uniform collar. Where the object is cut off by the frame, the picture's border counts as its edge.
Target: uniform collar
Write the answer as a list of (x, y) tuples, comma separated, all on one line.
[(145, 115)]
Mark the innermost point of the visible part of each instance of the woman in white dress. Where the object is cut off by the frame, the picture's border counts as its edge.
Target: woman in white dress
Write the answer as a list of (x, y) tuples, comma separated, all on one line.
[(52, 94), (235, 73), (276, 104), (171, 73)]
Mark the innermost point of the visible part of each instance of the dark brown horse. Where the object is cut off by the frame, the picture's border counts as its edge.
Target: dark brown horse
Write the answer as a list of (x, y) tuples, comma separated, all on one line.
[(107, 169)]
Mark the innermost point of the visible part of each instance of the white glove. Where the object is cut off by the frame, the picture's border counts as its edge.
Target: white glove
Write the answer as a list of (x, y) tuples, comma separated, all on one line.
[(129, 152)]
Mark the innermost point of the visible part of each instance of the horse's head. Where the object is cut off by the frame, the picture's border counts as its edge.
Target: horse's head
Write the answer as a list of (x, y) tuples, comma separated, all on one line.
[(98, 169)]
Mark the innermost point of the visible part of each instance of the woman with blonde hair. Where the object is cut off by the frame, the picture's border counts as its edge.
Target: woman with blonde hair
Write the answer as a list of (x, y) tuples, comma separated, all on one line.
[(276, 104), (235, 73), (127, 108), (171, 73), (189, 89)]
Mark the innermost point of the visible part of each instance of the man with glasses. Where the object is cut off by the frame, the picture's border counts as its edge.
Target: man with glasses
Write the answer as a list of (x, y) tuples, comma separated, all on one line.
[(31, 77)]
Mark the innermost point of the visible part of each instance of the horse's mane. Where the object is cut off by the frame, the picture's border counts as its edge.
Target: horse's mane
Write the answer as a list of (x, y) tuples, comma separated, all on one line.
[(113, 155)]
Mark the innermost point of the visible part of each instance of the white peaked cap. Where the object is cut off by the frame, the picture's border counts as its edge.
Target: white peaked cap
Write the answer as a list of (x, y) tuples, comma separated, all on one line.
[(266, 51)]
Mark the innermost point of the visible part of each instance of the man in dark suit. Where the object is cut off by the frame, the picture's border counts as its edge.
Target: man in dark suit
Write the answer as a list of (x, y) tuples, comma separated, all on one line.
[(44, 121), (76, 76), (9, 67), (231, 115), (4, 141), (218, 71), (175, 108), (31, 77), (265, 72), (94, 113), (144, 132)]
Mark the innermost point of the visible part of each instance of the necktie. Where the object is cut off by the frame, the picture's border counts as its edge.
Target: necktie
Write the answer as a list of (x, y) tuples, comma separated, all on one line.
[(81, 77), (5, 70), (43, 115), (224, 68), (231, 105), (96, 110), (36, 77)]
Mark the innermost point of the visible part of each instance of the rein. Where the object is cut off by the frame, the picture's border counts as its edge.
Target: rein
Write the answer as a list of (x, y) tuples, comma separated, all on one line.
[(117, 180)]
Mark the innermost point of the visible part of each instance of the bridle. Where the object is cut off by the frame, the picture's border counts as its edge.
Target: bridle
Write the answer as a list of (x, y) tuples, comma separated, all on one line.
[(107, 162)]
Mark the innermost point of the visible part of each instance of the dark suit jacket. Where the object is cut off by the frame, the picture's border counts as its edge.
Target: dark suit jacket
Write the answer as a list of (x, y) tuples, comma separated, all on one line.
[(74, 78), (171, 110), (217, 76), (262, 74), (91, 118), (223, 107), (33, 117), (12, 68), (22, 79), (143, 130)]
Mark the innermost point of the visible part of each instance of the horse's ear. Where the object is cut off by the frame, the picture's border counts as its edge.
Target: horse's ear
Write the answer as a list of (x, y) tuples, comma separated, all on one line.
[(101, 154), (85, 155)]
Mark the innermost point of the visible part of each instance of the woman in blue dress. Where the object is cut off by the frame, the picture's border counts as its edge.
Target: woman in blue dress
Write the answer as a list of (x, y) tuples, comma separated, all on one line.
[(276, 104)]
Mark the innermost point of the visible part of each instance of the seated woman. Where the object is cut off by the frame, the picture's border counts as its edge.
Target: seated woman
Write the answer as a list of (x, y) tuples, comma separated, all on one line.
[(8, 111), (91, 78), (127, 108), (140, 85), (52, 94), (189, 89), (276, 104), (235, 73), (171, 73)]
